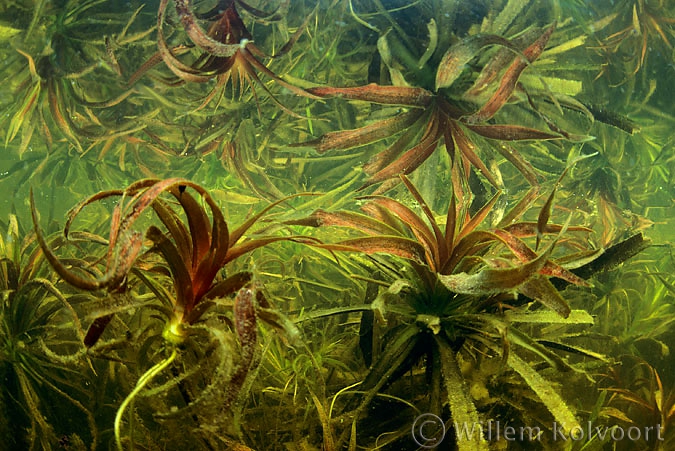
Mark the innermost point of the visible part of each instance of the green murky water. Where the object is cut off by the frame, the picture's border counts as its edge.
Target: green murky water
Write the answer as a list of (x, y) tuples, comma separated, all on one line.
[(337, 225)]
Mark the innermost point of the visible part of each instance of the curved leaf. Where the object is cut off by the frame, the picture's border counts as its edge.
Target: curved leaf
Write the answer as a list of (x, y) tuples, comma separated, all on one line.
[(458, 55)]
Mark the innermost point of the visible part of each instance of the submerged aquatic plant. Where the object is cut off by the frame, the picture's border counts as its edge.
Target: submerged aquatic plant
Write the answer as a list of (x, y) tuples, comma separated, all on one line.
[(645, 23), (194, 251), (42, 360), (57, 72), (462, 314), (445, 304), (228, 53), (436, 112), (639, 398)]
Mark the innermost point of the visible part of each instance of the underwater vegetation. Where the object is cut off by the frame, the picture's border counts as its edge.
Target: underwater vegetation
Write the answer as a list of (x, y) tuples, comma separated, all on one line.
[(343, 224), (438, 117)]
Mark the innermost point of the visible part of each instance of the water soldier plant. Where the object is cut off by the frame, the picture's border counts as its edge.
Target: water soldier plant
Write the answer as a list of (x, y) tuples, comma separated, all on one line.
[(61, 66), (441, 113), (42, 362), (228, 53), (446, 304), (193, 249)]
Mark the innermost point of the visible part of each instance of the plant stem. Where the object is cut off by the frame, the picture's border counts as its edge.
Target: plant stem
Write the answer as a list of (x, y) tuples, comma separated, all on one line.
[(142, 382)]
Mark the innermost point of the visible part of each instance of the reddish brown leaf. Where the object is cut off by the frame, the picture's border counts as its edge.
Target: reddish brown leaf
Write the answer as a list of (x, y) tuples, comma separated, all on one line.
[(200, 233), (388, 95), (394, 245), (499, 61), (450, 225), (176, 229), (228, 286), (357, 221), (96, 330), (367, 134), (196, 34), (478, 218), (412, 158), (458, 55), (416, 225), (180, 69), (180, 271), (262, 68), (468, 149), (387, 156), (510, 79), (465, 247), (442, 248), (116, 272), (524, 253), (380, 213)]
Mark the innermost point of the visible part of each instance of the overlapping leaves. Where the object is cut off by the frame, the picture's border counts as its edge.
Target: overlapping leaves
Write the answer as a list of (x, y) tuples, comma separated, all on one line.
[(455, 252), (195, 249), (440, 119)]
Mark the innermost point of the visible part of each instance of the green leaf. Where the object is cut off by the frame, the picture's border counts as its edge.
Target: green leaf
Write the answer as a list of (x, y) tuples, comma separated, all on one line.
[(464, 413), (549, 317), (494, 281), (458, 55), (541, 289), (565, 419)]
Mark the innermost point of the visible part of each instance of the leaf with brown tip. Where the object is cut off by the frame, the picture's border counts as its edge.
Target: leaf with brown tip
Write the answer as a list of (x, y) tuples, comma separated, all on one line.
[(510, 79), (459, 54), (491, 281)]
